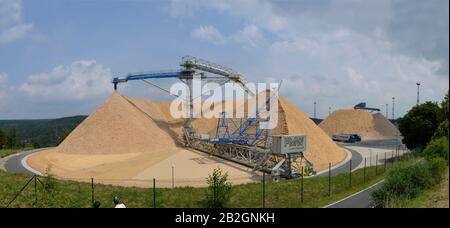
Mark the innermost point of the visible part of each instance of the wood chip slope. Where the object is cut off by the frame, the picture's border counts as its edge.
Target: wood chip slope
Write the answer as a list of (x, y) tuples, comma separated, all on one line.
[(368, 126)]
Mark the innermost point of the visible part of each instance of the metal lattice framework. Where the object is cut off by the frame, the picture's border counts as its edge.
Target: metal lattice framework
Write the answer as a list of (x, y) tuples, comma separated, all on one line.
[(247, 144)]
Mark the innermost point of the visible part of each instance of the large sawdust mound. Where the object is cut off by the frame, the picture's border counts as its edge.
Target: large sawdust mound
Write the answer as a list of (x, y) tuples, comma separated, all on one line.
[(368, 126), (117, 127)]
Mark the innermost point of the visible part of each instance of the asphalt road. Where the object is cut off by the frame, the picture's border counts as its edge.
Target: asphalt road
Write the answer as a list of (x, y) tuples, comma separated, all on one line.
[(345, 168), (14, 164), (381, 144), (361, 199)]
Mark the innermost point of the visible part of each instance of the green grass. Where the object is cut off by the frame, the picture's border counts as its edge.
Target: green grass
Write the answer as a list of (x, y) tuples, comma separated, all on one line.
[(285, 193), (7, 152)]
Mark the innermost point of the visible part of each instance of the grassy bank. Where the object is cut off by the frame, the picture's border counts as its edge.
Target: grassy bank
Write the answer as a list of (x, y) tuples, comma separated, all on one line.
[(285, 193), (411, 182), (437, 197), (7, 152)]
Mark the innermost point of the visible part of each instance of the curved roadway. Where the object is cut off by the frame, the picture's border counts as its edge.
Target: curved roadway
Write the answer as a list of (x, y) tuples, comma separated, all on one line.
[(344, 168), (13, 163)]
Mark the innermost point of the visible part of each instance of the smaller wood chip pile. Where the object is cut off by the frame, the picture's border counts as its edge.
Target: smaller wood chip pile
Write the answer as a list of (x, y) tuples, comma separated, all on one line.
[(368, 126)]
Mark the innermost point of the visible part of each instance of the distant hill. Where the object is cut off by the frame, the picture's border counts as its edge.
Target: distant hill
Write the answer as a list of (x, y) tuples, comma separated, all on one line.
[(42, 133)]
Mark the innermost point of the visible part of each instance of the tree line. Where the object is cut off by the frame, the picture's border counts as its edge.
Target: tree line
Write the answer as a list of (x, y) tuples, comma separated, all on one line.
[(8, 140), (38, 133)]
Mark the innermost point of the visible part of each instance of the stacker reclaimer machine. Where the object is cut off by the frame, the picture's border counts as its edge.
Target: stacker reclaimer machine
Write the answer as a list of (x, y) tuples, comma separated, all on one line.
[(243, 141)]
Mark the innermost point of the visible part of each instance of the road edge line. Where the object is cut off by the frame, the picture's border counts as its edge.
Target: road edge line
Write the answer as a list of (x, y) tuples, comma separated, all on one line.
[(26, 166), (343, 162), (352, 195)]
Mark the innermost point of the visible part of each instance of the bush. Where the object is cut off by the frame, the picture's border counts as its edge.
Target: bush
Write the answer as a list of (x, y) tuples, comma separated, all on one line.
[(441, 131), (219, 191), (405, 180), (437, 148), (437, 168)]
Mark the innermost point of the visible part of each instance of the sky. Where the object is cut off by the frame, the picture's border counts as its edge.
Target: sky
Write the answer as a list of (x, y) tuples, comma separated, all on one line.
[(57, 57)]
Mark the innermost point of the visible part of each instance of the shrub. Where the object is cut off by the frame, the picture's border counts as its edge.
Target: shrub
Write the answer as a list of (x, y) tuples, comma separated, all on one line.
[(437, 168), (437, 148), (405, 180), (219, 191), (441, 131)]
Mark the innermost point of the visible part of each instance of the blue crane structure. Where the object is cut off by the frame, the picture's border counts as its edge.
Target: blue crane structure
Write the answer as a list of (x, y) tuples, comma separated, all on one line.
[(190, 67), (248, 131), (363, 106)]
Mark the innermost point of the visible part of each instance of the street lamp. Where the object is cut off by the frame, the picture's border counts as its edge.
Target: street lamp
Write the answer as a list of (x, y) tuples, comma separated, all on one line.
[(387, 111), (418, 89), (315, 103), (393, 108)]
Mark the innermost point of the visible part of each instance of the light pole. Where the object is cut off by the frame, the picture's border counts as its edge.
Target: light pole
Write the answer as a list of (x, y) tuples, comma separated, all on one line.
[(387, 111), (393, 108), (315, 103), (418, 89)]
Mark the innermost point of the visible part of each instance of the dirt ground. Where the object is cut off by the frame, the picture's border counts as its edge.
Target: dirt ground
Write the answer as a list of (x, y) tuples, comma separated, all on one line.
[(191, 168)]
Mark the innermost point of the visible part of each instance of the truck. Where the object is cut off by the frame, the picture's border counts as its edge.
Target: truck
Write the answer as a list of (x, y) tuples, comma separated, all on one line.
[(350, 138)]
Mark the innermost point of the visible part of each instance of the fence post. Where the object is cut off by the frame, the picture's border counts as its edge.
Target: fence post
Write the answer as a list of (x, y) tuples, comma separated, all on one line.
[(35, 189), (392, 157), (214, 189), (365, 167), (264, 189), (173, 175), (350, 173), (385, 161), (92, 189), (329, 179), (154, 193), (301, 188), (376, 165)]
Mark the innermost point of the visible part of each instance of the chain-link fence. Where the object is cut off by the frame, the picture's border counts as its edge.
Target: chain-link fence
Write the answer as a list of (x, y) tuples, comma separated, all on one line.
[(183, 192)]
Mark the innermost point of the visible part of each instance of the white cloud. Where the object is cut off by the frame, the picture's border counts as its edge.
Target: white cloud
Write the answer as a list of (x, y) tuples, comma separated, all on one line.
[(208, 33), (249, 35), (3, 88), (259, 12), (11, 25), (83, 79), (339, 72), (15, 32), (3, 78), (343, 52)]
